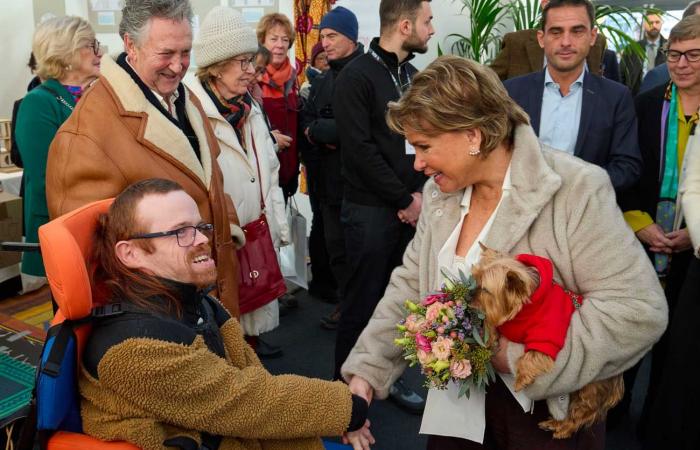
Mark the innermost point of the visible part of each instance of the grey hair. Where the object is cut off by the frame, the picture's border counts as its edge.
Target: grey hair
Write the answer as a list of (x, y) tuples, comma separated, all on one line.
[(137, 13)]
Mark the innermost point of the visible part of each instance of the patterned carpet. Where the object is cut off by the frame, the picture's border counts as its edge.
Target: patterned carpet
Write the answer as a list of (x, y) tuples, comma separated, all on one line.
[(23, 323), (33, 308)]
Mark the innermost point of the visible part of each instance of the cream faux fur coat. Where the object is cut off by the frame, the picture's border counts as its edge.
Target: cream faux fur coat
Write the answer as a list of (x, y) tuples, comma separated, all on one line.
[(561, 208)]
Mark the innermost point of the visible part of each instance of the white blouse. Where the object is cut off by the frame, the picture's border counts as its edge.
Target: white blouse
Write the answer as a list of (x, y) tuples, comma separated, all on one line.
[(445, 413)]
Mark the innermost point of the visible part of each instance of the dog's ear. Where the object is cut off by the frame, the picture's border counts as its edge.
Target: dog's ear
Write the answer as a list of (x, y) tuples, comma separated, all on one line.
[(521, 282), (515, 284), (487, 254)]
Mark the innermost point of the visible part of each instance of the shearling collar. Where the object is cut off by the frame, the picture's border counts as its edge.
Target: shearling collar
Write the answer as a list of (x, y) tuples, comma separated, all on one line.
[(158, 130)]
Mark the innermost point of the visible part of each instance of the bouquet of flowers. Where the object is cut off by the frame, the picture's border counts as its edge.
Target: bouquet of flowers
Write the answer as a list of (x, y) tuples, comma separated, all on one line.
[(446, 334)]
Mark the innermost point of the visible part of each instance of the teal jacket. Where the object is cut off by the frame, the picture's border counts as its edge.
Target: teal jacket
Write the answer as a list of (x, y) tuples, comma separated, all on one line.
[(40, 115)]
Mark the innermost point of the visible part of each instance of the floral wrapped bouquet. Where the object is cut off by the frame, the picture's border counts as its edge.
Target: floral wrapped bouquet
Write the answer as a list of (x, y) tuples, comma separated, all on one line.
[(447, 336)]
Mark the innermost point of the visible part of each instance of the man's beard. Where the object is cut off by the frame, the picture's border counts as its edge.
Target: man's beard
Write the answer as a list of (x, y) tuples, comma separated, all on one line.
[(201, 279), (653, 34), (414, 44)]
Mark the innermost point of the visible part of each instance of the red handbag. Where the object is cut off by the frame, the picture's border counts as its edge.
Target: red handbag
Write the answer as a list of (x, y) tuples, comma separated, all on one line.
[(260, 278)]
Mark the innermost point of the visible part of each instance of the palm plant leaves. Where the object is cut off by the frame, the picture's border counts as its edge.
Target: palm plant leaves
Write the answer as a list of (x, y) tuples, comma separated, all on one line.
[(486, 24), (525, 14)]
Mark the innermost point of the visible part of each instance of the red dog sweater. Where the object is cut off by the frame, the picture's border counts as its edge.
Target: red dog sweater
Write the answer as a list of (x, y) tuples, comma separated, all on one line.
[(542, 324)]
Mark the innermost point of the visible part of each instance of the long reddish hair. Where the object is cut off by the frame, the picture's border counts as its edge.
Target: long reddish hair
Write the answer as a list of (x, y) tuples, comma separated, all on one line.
[(120, 222)]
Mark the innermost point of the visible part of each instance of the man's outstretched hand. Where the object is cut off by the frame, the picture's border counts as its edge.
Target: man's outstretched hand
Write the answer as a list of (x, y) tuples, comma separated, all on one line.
[(359, 439)]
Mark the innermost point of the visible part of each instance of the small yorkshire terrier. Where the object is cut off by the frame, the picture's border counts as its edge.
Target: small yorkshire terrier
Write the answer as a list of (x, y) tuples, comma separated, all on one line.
[(507, 287)]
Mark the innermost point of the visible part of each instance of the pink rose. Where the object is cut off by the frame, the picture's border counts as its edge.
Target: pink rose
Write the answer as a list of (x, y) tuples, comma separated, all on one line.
[(433, 312), (442, 348), (423, 343), (461, 369), (425, 358), (429, 300)]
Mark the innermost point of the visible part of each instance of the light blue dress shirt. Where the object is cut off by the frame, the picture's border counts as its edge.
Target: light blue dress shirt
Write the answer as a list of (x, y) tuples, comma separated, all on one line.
[(561, 115)]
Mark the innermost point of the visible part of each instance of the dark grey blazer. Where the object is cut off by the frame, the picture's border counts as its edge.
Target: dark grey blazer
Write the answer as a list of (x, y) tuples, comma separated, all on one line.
[(607, 134)]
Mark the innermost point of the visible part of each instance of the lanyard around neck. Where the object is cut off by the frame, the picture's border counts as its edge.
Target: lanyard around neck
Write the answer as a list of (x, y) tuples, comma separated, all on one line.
[(397, 81)]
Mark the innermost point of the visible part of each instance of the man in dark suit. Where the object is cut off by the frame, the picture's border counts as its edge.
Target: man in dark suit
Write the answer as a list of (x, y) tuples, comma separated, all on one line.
[(632, 67), (521, 54), (572, 109)]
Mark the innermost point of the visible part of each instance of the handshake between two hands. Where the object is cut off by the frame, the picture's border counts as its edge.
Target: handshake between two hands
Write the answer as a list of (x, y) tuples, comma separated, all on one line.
[(362, 438), (412, 212)]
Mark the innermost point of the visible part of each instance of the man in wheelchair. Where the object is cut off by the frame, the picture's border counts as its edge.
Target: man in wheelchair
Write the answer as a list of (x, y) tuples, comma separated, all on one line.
[(172, 370)]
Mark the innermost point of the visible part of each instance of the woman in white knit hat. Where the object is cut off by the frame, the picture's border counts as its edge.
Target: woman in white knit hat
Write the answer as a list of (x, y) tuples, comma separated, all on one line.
[(225, 52)]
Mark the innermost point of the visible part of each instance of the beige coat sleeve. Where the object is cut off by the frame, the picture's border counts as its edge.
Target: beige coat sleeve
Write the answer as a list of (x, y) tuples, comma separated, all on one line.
[(690, 194), (191, 388), (624, 309)]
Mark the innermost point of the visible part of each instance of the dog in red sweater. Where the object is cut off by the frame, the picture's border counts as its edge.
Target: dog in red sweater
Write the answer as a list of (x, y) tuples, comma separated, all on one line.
[(522, 302)]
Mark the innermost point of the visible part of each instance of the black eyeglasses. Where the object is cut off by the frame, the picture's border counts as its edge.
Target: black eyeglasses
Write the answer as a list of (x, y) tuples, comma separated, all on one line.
[(185, 236), (245, 63), (692, 55), (95, 46)]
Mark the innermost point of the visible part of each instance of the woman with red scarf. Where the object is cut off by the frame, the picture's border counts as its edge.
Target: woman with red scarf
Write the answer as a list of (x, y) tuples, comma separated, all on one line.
[(280, 95)]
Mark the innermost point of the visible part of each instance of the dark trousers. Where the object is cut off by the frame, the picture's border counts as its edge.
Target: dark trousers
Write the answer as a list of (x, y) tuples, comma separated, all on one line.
[(375, 240), (674, 417), (335, 244), (509, 428), (323, 280), (673, 284)]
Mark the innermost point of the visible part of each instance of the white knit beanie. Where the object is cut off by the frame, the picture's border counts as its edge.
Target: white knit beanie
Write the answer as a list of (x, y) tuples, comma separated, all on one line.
[(223, 34)]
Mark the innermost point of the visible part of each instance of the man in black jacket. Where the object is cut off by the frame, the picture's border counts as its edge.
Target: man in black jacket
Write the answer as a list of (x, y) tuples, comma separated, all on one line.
[(339, 40), (381, 197)]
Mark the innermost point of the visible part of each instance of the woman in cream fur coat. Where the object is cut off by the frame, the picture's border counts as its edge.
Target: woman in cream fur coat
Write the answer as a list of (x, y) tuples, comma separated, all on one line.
[(492, 182)]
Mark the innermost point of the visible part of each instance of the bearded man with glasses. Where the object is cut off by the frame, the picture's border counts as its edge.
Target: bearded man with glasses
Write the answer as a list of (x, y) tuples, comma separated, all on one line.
[(668, 116), (171, 368)]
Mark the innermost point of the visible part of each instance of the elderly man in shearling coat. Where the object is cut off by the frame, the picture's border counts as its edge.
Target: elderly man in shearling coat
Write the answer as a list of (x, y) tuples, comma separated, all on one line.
[(139, 121)]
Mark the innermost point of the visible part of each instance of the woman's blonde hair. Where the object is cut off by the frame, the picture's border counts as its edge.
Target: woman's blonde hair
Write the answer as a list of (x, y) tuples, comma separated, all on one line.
[(56, 44), (270, 20), (457, 94)]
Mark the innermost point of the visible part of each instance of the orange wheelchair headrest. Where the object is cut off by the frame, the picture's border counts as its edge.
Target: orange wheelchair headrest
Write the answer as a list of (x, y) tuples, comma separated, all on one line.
[(66, 247)]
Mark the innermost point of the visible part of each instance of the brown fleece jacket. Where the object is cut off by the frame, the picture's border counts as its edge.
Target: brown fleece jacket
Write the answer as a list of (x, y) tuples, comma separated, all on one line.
[(150, 390)]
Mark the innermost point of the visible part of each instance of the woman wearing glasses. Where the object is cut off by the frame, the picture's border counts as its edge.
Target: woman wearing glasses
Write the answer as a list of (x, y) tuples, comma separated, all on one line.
[(225, 52), (667, 116), (68, 58)]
